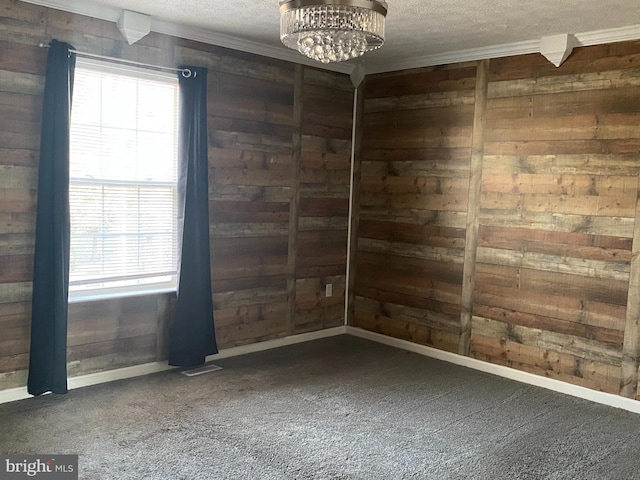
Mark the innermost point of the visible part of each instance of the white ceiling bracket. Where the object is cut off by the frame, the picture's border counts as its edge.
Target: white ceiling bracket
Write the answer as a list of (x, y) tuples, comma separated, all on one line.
[(133, 25), (357, 75), (557, 48)]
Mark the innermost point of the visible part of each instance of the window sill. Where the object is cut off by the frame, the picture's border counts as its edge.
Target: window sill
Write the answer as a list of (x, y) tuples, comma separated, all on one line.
[(95, 297)]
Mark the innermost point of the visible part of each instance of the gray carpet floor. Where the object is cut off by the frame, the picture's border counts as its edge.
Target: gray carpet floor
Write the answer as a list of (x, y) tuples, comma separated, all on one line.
[(337, 408)]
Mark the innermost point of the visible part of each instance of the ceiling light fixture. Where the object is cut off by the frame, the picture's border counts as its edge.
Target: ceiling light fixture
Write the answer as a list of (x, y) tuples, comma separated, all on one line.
[(332, 30)]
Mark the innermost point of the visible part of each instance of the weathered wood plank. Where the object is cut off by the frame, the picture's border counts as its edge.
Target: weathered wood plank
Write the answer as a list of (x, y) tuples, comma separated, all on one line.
[(574, 127), (241, 334), (246, 159), (386, 296), (624, 146), (23, 83), (420, 101), (17, 200), (247, 212), (598, 58), (318, 319), (416, 217), (418, 137), (255, 266), (267, 177), (15, 292), (324, 207), (436, 320), (318, 144), (441, 115), (275, 293), (429, 235), (428, 79), (539, 361), (631, 349), (249, 193), (294, 206), (586, 205), (578, 245), (16, 268), (551, 283), (554, 84), (445, 157), (222, 60), (408, 276), (553, 341), (418, 184), (533, 320), (590, 163), (401, 249), (269, 144), (325, 78), (247, 230), (404, 330), (439, 202), (557, 306), (559, 222), (473, 207), (563, 184), (19, 156), (555, 263), (144, 346)]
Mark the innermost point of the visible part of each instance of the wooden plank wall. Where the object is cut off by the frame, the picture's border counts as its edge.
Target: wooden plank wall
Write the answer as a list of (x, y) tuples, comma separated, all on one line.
[(413, 203), (557, 212), (558, 206), (251, 122), (250, 178), (324, 200)]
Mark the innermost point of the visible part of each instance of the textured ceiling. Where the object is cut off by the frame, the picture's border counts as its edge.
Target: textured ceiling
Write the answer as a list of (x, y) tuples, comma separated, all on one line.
[(415, 28)]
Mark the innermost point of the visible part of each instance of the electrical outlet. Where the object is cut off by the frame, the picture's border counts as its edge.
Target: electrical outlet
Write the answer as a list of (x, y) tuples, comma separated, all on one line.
[(328, 289)]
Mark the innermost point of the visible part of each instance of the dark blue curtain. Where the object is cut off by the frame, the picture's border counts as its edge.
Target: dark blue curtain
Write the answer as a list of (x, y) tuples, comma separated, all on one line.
[(192, 335), (48, 353)]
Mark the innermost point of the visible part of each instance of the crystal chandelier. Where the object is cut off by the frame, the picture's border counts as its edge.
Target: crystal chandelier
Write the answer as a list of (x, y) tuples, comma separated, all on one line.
[(332, 30)]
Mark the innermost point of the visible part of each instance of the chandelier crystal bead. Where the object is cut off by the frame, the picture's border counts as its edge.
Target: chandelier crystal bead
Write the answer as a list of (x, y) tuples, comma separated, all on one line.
[(332, 30)]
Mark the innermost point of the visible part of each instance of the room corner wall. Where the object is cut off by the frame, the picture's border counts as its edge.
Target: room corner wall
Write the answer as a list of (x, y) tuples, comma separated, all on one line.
[(251, 185), (557, 212)]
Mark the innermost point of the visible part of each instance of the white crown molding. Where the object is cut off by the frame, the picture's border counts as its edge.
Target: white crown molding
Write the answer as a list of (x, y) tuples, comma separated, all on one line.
[(90, 9), (103, 12), (481, 53), (585, 39), (612, 35), (207, 36), (112, 14)]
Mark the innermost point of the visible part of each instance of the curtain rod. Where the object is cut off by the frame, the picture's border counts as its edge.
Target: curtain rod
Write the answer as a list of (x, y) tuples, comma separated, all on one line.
[(185, 71)]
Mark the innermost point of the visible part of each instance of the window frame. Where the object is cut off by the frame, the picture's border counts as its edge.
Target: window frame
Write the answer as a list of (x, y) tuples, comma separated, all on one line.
[(171, 284)]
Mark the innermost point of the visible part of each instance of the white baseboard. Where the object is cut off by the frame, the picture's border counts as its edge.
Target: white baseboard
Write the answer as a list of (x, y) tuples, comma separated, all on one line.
[(502, 371), (279, 342), (13, 394), (20, 393)]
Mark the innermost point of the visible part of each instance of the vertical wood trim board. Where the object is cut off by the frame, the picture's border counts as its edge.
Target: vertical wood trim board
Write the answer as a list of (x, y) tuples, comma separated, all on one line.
[(473, 206), (631, 345), (294, 204), (354, 211)]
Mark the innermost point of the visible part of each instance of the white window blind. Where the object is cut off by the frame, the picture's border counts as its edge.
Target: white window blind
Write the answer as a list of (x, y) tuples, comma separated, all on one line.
[(122, 180)]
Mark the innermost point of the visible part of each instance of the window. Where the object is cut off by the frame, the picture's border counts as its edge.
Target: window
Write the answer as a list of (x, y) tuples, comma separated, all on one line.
[(122, 180)]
